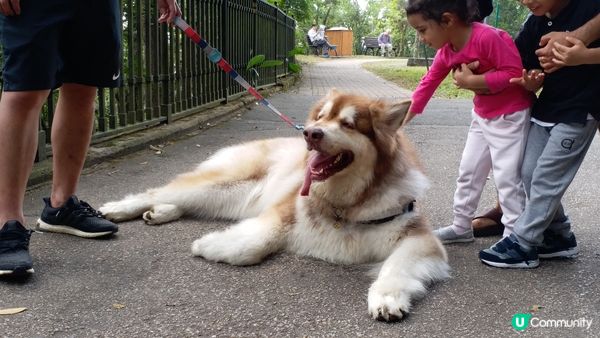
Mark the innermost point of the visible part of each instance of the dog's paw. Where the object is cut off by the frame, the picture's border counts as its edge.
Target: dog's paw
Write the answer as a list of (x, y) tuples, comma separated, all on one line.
[(117, 211), (162, 213), (387, 304), (219, 247), (210, 248)]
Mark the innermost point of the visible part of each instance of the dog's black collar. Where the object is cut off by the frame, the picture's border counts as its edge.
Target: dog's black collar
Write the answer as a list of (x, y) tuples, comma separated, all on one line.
[(407, 208)]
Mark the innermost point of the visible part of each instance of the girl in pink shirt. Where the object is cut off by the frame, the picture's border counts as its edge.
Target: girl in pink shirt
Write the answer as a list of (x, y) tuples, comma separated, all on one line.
[(500, 116)]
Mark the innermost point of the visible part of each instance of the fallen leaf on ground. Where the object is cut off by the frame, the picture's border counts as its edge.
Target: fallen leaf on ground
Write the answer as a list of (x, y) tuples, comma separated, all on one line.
[(535, 308), (118, 306), (12, 311)]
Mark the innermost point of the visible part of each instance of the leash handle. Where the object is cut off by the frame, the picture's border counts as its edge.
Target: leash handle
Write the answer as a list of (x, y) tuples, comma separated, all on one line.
[(215, 57)]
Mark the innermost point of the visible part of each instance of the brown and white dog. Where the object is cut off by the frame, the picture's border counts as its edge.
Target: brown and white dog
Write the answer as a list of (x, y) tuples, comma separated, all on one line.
[(344, 194)]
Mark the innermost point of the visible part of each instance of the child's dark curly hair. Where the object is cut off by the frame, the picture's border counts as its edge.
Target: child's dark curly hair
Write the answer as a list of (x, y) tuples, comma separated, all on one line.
[(466, 10)]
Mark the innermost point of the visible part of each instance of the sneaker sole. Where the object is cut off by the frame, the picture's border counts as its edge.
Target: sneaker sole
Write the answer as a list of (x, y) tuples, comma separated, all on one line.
[(523, 265), (16, 272), (461, 240), (569, 253), (63, 229)]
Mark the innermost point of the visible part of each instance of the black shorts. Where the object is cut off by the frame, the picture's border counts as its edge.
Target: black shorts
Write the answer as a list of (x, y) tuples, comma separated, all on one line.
[(62, 41)]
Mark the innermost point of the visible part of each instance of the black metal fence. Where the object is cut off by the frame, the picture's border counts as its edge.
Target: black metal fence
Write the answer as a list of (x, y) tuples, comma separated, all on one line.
[(166, 76)]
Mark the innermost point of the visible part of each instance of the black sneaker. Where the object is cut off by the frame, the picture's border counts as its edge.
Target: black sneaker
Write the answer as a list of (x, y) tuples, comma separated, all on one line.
[(556, 246), (75, 217), (14, 249)]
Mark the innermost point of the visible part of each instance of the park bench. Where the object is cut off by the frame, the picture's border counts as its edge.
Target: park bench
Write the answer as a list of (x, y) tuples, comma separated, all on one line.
[(316, 50), (370, 46)]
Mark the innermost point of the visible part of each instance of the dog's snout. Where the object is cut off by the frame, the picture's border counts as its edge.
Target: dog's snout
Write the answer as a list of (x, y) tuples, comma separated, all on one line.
[(313, 134)]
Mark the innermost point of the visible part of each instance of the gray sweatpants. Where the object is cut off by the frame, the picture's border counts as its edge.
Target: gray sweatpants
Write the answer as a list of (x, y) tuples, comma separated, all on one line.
[(552, 157)]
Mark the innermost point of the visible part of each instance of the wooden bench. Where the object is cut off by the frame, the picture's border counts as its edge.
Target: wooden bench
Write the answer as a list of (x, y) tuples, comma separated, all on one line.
[(370, 46)]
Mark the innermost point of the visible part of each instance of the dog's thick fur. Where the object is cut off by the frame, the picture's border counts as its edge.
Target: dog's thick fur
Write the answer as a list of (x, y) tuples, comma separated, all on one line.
[(344, 200)]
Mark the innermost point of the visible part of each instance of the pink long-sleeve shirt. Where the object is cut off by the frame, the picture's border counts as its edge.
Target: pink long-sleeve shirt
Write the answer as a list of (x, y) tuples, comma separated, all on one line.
[(499, 61)]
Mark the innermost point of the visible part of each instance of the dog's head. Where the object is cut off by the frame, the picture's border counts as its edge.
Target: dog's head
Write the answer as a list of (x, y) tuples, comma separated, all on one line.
[(352, 140)]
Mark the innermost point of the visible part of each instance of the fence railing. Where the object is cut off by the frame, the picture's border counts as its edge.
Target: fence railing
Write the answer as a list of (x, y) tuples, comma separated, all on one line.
[(166, 76)]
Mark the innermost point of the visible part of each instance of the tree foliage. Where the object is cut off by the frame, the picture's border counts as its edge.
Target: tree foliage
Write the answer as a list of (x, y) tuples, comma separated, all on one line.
[(383, 14)]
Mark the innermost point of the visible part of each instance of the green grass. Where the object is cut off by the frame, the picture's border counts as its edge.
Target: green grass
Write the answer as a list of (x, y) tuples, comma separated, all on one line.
[(409, 77)]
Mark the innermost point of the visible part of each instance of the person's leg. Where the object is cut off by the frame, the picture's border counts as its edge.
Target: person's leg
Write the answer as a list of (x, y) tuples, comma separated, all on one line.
[(84, 69), (474, 166), (19, 119), (325, 48), (71, 135), (382, 49), (507, 136), (554, 171), (389, 49)]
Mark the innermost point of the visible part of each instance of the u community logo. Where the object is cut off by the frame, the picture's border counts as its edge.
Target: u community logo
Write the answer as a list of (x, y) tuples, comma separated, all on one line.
[(521, 321)]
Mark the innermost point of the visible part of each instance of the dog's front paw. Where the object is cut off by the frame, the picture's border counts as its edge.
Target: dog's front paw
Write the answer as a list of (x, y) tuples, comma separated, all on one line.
[(219, 247), (211, 247), (388, 304), (117, 211)]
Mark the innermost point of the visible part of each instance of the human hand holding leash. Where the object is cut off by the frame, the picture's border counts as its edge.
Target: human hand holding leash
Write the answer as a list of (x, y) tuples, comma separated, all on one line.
[(168, 10)]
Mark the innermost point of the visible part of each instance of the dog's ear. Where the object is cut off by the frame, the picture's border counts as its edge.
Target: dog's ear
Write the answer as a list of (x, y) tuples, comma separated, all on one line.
[(396, 113)]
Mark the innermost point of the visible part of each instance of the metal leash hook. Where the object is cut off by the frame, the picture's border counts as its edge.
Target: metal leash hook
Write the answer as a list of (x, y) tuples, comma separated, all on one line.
[(215, 57)]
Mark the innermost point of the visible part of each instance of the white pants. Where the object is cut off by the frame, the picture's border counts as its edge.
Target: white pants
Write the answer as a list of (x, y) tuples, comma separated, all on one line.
[(496, 144)]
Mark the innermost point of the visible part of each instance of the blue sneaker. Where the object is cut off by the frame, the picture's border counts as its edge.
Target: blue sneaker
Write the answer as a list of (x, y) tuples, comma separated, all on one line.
[(508, 253), (14, 249), (556, 246)]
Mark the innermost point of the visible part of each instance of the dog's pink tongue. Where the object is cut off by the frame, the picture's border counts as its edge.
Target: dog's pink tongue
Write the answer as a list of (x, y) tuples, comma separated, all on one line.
[(313, 161), (307, 181)]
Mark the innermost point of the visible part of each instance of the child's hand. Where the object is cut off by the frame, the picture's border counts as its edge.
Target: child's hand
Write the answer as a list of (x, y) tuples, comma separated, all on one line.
[(544, 53), (462, 76), (569, 55), (531, 81), (473, 66)]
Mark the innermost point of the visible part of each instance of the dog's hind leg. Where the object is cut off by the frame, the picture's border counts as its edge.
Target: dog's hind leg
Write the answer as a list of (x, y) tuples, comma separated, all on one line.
[(249, 241), (218, 188), (404, 275), (162, 213)]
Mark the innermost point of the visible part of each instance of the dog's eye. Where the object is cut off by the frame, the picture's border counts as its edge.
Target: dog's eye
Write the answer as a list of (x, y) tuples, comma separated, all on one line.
[(347, 124)]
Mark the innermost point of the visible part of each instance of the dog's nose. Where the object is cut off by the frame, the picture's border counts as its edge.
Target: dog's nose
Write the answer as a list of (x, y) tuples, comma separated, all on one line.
[(313, 134)]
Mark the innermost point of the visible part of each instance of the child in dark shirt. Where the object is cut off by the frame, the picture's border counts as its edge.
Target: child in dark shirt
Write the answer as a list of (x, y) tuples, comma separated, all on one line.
[(564, 121)]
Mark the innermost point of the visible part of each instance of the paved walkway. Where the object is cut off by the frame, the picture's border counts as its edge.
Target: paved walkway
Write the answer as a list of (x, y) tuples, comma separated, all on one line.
[(347, 75), (144, 282)]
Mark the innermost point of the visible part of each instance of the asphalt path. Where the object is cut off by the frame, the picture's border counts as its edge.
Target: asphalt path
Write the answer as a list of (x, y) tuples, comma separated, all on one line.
[(143, 282)]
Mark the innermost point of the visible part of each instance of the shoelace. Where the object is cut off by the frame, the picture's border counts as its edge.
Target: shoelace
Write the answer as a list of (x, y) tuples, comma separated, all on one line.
[(85, 209)]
